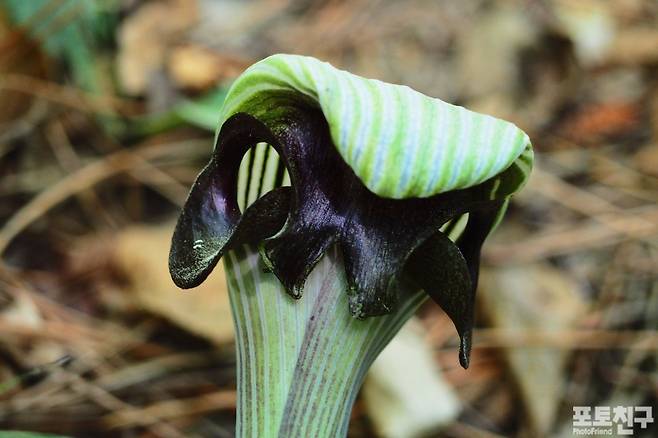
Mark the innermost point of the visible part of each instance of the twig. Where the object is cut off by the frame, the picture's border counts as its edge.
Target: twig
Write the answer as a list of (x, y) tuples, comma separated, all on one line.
[(162, 182), (63, 332), (636, 223), (571, 339), (170, 409), (67, 95), (148, 370), (112, 403), (17, 128), (580, 200), (83, 179), (70, 162)]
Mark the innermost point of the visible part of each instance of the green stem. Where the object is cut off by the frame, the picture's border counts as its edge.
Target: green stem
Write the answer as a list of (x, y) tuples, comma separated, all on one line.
[(301, 362)]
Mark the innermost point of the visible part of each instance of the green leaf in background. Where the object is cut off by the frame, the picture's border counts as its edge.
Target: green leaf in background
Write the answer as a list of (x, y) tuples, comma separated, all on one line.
[(202, 112), (70, 30)]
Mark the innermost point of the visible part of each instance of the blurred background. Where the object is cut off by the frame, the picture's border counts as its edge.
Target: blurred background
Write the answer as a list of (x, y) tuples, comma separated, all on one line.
[(107, 113)]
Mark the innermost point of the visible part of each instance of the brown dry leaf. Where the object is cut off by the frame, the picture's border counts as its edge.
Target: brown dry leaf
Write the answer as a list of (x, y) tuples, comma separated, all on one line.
[(646, 160), (533, 297), (653, 112), (405, 393), (145, 37), (593, 123), (197, 68), (22, 311), (635, 46), (142, 254), (499, 34), (590, 25)]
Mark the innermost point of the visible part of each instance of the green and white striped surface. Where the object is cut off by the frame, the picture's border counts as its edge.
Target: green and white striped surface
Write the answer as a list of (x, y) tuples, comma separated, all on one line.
[(301, 362), (399, 142)]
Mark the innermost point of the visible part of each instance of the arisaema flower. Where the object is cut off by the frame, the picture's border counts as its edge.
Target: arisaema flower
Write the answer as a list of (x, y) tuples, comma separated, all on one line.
[(380, 175)]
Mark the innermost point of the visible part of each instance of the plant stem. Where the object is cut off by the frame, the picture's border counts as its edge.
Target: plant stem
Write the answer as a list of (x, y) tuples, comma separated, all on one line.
[(301, 362)]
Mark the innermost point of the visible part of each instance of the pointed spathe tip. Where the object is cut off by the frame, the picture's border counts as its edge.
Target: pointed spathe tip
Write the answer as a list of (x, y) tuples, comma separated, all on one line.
[(465, 350)]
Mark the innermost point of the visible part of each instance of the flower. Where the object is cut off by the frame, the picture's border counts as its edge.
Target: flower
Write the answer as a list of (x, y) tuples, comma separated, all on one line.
[(376, 169)]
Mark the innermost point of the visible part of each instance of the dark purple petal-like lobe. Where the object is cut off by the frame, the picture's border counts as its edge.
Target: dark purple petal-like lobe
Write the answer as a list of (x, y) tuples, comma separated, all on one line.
[(327, 204), (439, 268)]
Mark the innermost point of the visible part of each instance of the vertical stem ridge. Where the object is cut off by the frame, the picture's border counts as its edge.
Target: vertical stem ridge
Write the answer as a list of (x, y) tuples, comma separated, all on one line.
[(301, 362)]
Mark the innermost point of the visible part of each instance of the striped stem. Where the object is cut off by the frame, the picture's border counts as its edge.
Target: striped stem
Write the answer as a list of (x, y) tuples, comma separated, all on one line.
[(301, 362)]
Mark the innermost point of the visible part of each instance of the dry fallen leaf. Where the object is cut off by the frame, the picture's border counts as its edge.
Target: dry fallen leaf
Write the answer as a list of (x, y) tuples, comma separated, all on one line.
[(198, 68), (23, 312), (589, 25), (142, 254), (534, 298), (405, 393), (646, 159), (635, 46), (592, 124), (145, 37)]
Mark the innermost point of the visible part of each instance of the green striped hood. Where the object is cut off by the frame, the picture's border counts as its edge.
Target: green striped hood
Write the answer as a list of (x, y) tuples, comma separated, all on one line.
[(399, 142)]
